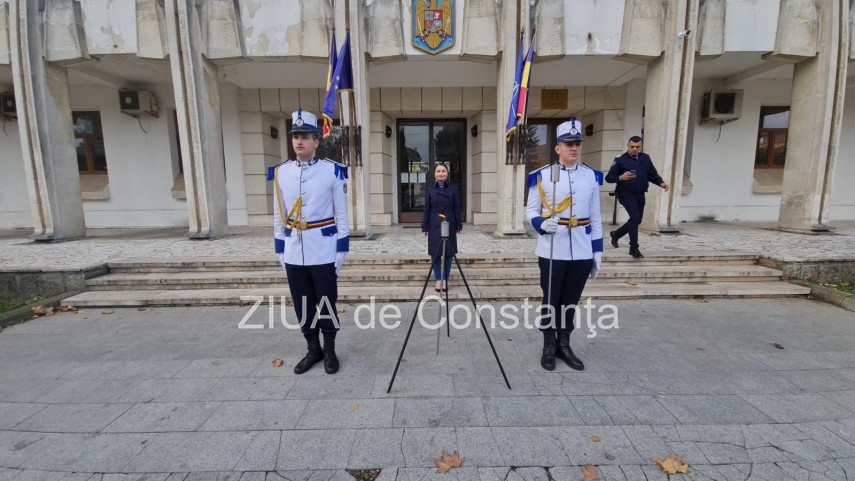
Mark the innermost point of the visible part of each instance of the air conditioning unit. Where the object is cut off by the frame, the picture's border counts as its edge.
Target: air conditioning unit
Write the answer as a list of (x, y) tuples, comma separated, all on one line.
[(722, 106), (138, 102), (7, 106)]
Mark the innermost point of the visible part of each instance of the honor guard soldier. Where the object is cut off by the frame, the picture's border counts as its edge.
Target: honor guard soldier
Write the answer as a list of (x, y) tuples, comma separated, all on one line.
[(632, 171), (564, 208), (311, 234)]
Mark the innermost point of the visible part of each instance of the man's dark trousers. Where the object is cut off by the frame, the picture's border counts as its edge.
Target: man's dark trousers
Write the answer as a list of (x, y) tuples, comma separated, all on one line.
[(568, 281), (309, 285), (633, 202)]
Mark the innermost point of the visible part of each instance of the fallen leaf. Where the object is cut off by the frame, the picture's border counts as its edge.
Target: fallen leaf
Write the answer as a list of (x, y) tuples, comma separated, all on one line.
[(340, 311), (65, 309), (289, 302), (632, 283), (141, 309), (589, 473), (596, 439), (700, 349), (448, 461), (40, 311), (107, 313), (278, 362), (672, 465), (778, 346), (356, 408)]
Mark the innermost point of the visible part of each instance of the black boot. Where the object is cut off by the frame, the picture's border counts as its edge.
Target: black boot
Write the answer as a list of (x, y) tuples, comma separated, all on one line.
[(564, 351), (330, 359), (547, 361), (634, 252), (314, 356)]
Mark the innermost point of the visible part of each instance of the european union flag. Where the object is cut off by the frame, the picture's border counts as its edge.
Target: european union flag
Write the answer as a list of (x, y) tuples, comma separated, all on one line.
[(342, 79)]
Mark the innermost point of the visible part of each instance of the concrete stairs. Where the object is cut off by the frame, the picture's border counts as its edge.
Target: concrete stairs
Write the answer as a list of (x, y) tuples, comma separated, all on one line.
[(492, 277)]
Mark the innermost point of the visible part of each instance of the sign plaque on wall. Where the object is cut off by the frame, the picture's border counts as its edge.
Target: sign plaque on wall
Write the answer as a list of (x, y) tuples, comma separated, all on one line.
[(553, 99)]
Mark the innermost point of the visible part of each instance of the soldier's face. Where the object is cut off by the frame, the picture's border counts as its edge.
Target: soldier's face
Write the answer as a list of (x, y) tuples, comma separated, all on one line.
[(304, 143), (569, 152), (634, 148)]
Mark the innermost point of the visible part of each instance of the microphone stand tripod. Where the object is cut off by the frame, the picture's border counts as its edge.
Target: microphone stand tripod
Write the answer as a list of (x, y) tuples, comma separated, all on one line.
[(444, 232)]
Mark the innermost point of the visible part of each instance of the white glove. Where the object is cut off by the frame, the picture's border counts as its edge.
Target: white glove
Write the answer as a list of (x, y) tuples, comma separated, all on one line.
[(282, 259), (550, 226), (339, 261), (598, 264)]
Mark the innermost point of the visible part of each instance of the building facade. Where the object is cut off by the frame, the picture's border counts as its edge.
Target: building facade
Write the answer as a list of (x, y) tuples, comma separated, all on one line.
[(154, 113)]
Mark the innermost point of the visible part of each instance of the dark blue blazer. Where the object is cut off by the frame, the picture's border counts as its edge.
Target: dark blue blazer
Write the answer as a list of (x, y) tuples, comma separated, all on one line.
[(444, 201), (645, 173)]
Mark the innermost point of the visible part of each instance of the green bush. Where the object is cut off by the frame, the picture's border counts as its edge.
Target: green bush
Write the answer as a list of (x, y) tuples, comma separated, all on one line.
[(6, 306)]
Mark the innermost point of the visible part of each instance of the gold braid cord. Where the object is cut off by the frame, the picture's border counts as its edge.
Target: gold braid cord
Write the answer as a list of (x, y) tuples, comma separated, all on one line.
[(543, 200), (295, 211)]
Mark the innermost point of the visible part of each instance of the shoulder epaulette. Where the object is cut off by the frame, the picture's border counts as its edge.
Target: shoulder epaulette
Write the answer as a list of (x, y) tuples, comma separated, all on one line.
[(340, 169), (597, 174), (272, 169), (534, 175)]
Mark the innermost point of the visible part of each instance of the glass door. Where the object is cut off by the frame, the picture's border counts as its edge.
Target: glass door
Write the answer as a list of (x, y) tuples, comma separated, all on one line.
[(421, 144)]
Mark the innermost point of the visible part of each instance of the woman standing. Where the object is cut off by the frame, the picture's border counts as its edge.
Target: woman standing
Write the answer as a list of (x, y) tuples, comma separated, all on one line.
[(443, 198)]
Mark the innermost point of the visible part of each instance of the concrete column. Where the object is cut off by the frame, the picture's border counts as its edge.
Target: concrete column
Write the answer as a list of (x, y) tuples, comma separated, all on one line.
[(380, 165), (47, 135), (260, 150), (197, 104), (511, 178), (359, 193), (819, 84), (666, 121)]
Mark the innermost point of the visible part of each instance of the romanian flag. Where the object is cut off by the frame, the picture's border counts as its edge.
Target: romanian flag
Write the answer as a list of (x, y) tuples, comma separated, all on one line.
[(330, 71), (341, 79), (526, 75), (515, 96)]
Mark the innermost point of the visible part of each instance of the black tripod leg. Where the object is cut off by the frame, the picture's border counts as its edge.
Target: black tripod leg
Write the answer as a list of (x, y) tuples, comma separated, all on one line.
[(490, 341), (412, 323)]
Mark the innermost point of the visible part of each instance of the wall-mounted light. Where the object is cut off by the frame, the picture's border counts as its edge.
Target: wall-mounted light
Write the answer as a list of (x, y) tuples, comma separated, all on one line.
[(589, 130), (474, 131), (388, 131), (274, 132)]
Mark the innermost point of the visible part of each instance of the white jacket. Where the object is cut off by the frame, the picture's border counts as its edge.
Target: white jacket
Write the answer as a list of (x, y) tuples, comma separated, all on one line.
[(581, 241), (322, 185)]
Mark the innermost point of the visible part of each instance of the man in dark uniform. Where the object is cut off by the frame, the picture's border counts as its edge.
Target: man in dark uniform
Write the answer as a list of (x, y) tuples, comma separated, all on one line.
[(631, 171), (311, 233)]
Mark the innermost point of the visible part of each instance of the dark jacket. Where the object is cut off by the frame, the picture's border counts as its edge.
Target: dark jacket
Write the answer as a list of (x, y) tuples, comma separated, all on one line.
[(442, 201), (644, 172)]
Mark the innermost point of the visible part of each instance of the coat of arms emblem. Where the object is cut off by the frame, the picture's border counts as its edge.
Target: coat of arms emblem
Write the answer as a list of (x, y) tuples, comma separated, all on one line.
[(433, 25)]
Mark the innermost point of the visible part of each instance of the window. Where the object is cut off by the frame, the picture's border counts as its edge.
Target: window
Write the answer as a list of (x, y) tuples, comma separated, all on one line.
[(329, 148), (89, 143), (772, 137), (540, 139)]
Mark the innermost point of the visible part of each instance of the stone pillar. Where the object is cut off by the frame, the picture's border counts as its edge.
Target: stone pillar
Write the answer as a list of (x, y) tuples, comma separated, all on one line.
[(197, 105), (260, 150), (819, 84), (44, 121), (511, 178), (668, 96), (359, 193), (380, 165)]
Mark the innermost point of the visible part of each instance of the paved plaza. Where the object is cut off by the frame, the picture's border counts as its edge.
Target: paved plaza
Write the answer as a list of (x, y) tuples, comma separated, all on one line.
[(753, 389), (741, 389)]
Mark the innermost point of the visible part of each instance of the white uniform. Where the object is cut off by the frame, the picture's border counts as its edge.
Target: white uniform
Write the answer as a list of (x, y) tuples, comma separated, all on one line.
[(321, 184), (581, 241)]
